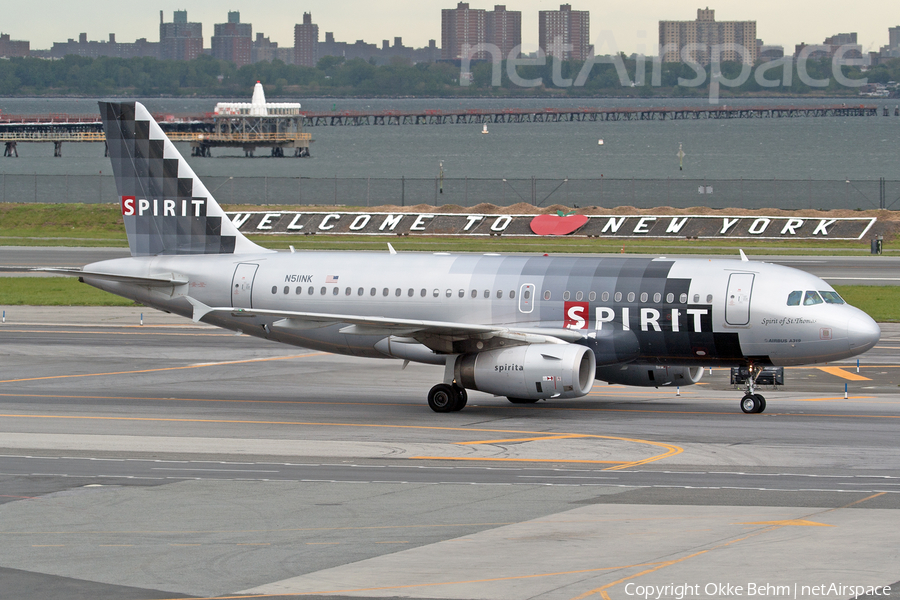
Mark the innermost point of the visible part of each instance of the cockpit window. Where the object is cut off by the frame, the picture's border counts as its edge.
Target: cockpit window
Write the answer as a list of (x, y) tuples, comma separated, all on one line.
[(794, 298), (832, 298), (811, 298)]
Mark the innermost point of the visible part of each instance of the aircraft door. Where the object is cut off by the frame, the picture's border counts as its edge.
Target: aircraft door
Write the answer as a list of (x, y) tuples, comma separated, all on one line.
[(737, 299), (242, 285), (526, 298)]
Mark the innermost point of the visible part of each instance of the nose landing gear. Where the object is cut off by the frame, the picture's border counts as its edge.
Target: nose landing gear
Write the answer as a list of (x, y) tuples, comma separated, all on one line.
[(753, 402)]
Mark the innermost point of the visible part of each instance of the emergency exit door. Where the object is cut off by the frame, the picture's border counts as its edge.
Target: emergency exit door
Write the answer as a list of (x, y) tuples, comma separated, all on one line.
[(242, 285)]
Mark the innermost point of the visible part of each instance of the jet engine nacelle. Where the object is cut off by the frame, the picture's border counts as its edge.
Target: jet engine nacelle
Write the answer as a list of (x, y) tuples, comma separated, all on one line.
[(650, 375), (536, 371)]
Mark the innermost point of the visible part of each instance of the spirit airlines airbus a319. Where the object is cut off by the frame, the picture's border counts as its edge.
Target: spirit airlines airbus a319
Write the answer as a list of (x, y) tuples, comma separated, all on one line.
[(525, 327)]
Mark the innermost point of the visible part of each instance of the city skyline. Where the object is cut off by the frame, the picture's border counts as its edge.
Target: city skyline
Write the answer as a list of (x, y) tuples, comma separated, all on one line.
[(634, 25)]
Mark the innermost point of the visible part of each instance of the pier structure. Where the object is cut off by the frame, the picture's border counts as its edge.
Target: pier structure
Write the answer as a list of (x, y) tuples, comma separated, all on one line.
[(580, 114), (250, 125)]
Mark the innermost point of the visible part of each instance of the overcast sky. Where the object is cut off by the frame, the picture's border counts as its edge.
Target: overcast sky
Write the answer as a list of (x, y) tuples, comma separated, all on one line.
[(633, 23)]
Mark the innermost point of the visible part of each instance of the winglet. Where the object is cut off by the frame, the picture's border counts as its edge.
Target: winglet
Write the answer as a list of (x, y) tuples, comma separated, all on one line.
[(200, 309), (391, 249), (744, 256)]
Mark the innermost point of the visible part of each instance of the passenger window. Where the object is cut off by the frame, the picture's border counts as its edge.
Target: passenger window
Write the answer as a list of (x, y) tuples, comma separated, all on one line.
[(696, 298), (423, 293), (499, 293), (334, 292), (311, 290), (462, 293), (347, 292), (567, 295), (449, 293), (579, 296), (474, 293), (709, 298), (811, 298), (323, 290), (436, 293), (487, 293), (683, 298), (299, 290), (360, 292), (631, 296), (526, 294), (385, 292), (832, 298), (670, 298), (274, 289), (618, 296), (410, 292), (287, 290), (657, 297), (644, 296), (397, 292), (546, 294), (372, 292), (604, 296), (512, 294), (592, 296), (794, 298)]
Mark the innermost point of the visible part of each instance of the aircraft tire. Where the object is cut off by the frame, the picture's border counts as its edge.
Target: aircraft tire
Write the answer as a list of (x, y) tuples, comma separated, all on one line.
[(522, 400), (443, 398), (750, 403), (762, 403), (462, 398)]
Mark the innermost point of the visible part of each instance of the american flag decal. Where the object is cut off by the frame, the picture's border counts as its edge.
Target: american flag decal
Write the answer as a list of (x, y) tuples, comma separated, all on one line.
[(331, 279)]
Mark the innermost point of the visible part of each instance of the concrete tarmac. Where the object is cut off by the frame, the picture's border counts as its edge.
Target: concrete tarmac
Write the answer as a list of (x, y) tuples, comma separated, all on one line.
[(177, 460)]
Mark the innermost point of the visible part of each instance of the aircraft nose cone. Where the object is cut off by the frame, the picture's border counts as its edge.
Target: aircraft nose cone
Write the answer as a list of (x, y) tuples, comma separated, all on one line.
[(863, 333)]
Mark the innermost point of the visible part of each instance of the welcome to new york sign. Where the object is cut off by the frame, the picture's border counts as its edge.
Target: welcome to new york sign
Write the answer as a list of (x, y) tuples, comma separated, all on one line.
[(615, 226)]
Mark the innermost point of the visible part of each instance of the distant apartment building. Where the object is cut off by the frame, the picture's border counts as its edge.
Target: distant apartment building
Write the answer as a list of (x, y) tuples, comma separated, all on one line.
[(263, 49), (462, 28), (693, 41), (894, 37), (845, 43), (180, 40), (565, 33), (13, 48), (503, 28), (306, 41), (110, 47), (233, 41)]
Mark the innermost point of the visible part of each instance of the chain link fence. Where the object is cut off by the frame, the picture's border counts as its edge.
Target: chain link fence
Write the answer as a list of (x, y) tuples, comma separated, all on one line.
[(860, 194)]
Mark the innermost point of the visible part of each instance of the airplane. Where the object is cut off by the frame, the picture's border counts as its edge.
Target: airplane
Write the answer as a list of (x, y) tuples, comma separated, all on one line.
[(525, 327)]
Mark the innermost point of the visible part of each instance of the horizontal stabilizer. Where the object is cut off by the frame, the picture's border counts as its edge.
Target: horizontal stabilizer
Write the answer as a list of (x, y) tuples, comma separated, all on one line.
[(150, 280)]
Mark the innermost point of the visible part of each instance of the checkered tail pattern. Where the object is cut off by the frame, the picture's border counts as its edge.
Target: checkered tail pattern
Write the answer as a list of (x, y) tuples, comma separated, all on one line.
[(165, 206)]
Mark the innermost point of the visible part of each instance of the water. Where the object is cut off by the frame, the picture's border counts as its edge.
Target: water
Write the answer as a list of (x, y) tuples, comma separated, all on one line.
[(798, 148)]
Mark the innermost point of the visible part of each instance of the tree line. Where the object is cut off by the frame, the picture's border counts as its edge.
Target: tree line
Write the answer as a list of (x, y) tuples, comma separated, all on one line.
[(334, 76)]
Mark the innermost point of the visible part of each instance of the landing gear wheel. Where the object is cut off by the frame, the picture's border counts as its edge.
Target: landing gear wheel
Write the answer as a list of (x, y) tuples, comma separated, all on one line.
[(522, 400), (462, 397), (762, 403), (751, 403), (443, 398)]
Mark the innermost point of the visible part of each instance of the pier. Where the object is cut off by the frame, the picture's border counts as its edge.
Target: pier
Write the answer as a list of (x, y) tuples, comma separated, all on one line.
[(581, 114), (285, 131)]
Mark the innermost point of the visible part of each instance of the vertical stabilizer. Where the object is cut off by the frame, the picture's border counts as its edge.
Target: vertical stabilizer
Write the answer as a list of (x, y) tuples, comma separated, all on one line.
[(165, 206)]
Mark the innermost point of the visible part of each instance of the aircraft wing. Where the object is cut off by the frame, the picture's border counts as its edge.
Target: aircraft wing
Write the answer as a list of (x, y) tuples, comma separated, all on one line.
[(151, 280), (415, 328)]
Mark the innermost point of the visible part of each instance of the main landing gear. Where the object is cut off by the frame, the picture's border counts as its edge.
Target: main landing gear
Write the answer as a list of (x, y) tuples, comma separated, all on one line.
[(446, 397), (753, 402)]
